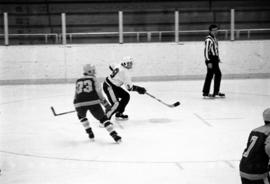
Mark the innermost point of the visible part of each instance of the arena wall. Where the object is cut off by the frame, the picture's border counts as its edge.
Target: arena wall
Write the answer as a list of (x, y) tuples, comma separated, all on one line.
[(153, 61)]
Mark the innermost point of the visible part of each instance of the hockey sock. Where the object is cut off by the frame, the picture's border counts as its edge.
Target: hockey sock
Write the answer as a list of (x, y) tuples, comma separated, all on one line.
[(85, 123), (108, 125)]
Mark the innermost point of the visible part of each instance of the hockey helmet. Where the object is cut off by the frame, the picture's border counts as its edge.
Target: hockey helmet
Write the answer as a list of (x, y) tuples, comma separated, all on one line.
[(127, 62), (89, 69), (266, 115)]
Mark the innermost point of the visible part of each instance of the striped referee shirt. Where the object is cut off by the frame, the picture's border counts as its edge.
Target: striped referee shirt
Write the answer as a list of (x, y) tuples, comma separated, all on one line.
[(211, 48)]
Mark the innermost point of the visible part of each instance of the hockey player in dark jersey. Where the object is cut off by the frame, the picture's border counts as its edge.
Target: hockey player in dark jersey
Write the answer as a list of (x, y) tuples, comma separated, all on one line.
[(255, 158), (89, 97)]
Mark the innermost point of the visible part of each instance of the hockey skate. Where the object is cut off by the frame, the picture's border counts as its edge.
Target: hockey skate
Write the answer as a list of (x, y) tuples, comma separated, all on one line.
[(121, 117), (221, 95), (208, 96), (90, 134), (116, 137)]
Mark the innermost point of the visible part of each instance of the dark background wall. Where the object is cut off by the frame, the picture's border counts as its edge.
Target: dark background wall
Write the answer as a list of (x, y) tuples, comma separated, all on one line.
[(44, 16)]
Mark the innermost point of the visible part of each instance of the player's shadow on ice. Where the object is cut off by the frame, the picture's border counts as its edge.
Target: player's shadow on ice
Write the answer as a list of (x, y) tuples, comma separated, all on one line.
[(160, 120), (73, 143), (82, 143), (146, 121)]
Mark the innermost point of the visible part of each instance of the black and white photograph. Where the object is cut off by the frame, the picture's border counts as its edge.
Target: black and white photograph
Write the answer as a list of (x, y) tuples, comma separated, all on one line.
[(134, 92)]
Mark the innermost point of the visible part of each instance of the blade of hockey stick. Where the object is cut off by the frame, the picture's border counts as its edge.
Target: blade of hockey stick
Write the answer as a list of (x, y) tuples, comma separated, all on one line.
[(53, 111), (168, 105), (62, 113)]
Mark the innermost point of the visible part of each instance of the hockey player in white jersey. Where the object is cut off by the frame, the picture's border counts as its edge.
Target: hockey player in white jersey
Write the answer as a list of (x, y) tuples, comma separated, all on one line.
[(117, 96)]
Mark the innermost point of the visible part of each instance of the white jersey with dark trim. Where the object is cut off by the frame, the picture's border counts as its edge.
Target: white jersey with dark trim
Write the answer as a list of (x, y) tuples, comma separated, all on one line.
[(211, 47), (120, 76)]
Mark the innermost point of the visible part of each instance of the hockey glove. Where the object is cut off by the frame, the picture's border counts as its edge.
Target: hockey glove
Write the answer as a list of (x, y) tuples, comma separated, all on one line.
[(140, 90)]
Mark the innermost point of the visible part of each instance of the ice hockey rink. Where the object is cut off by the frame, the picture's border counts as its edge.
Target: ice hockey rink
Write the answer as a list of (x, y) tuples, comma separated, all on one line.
[(200, 141)]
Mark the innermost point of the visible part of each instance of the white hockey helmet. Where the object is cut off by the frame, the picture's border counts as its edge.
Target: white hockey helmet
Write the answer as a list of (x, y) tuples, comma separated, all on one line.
[(89, 69), (127, 62)]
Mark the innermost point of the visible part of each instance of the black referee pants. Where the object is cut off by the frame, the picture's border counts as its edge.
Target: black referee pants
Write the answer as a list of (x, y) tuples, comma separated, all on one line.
[(116, 94), (214, 71)]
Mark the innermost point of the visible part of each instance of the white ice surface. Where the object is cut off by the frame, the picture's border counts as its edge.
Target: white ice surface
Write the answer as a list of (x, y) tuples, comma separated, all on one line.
[(201, 141)]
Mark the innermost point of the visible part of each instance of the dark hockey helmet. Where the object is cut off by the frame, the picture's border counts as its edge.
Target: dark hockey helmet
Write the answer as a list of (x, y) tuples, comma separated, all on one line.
[(266, 115)]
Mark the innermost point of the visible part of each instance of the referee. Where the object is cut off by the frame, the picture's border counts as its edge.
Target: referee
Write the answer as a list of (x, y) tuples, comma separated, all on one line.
[(212, 60)]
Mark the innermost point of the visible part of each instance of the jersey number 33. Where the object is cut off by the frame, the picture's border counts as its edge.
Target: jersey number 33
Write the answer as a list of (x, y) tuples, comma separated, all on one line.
[(84, 86)]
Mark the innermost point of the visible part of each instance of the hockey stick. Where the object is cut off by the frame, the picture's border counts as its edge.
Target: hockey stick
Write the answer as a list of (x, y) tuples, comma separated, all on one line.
[(62, 113), (168, 105)]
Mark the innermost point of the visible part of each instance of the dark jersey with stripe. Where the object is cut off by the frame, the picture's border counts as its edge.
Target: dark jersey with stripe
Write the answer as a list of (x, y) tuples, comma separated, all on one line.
[(254, 159), (86, 93)]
